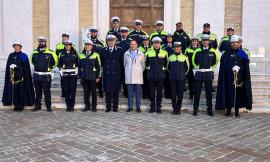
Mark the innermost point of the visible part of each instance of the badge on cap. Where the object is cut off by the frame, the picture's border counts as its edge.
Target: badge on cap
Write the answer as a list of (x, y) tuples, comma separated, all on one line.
[(156, 40), (110, 36)]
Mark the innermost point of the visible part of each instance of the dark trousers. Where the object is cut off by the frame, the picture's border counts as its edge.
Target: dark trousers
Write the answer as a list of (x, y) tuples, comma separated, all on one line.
[(155, 94), (190, 79), (208, 92), (99, 87), (44, 86), (69, 88), (167, 87), (112, 97), (89, 87), (62, 85), (177, 90), (18, 96), (145, 86), (125, 91)]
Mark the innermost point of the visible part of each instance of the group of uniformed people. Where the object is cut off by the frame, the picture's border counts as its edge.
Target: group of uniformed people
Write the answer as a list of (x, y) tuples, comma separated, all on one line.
[(138, 64)]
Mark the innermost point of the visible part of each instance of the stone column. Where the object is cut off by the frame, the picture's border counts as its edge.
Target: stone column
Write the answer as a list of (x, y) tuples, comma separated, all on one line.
[(210, 11), (64, 18)]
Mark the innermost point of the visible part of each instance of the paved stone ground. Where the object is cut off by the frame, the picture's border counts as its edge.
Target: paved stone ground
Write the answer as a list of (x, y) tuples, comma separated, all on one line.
[(78, 136)]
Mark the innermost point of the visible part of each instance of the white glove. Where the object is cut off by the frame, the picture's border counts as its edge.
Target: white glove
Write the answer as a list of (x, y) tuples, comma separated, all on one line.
[(194, 71), (236, 68), (56, 70), (12, 66)]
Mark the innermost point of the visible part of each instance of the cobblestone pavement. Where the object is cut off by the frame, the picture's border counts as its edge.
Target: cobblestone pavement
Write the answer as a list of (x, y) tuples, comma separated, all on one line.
[(64, 136)]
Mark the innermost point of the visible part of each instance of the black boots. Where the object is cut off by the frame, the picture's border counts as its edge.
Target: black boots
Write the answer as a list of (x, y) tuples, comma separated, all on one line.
[(86, 109), (195, 111), (210, 113), (176, 111), (237, 115), (229, 112), (36, 109)]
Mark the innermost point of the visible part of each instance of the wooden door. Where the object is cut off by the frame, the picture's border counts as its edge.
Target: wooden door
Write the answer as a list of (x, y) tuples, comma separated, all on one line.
[(147, 10)]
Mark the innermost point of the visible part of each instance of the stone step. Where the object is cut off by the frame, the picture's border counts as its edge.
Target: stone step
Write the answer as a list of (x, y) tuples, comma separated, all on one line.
[(256, 95), (123, 107)]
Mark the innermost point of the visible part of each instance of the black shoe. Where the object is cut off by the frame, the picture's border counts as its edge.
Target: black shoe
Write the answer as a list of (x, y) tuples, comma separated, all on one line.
[(115, 110), (86, 109), (16, 109), (101, 95), (237, 115), (178, 112), (173, 112), (228, 114), (49, 110), (94, 109), (158, 111), (138, 110), (35, 109), (67, 110), (210, 113), (195, 113), (108, 110), (151, 111), (129, 109), (71, 109)]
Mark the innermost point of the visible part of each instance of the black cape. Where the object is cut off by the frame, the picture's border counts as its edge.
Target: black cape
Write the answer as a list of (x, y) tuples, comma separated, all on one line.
[(29, 96), (226, 89)]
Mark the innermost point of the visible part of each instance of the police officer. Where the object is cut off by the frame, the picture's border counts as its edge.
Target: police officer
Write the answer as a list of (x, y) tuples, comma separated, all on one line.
[(156, 64), (169, 45), (212, 36), (115, 27), (224, 43), (124, 41), (190, 75), (159, 32), (44, 60), (181, 36), (89, 73), (60, 46), (204, 61), (68, 65), (98, 43), (124, 44), (137, 33), (169, 48), (144, 48), (18, 87), (145, 44), (94, 37), (178, 68), (112, 64)]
